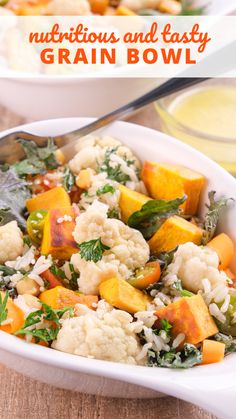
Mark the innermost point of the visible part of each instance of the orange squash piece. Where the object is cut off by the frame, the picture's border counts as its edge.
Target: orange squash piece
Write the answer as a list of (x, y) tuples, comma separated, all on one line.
[(168, 181), (15, 314), (212, 351), (54, 198), (130, 202), (173, 232), (57, 236), (99, 6), (190, 316), (224, 247), (60, 297)]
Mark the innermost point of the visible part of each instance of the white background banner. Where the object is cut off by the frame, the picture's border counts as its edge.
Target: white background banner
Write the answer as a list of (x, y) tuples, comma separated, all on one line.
[(118, 46)]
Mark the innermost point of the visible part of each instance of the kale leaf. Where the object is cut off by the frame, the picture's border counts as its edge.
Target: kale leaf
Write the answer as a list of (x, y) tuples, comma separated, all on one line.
[(229, 341), (13, 193), (152, 214), (187, 358), (38, 159), (212, 215)]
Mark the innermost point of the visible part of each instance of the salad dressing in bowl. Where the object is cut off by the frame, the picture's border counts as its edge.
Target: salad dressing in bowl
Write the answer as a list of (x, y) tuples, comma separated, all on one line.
[(204, 118)]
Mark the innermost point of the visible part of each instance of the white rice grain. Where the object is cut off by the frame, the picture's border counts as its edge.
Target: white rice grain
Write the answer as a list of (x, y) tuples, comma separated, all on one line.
[(143, 353), (178, 340), (215, 312), (225, 305)]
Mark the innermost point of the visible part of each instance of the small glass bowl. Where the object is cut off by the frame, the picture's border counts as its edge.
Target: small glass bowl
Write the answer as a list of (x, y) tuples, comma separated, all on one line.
[(218, 148)]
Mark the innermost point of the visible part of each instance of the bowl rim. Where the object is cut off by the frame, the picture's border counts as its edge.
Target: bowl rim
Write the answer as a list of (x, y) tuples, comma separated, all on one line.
[(161, 107), (187, 384)]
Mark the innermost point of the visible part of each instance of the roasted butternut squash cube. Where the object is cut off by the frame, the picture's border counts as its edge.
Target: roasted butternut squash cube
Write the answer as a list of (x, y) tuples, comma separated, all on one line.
[(60, 297), (189, 315), (122, 295), (130, 202), (57, 233), (173, 232), (168, 181), (54, 198), (124, 11)]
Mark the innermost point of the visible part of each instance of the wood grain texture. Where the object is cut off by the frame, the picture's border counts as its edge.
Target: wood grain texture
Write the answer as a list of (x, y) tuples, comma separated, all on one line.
[(23, 398)]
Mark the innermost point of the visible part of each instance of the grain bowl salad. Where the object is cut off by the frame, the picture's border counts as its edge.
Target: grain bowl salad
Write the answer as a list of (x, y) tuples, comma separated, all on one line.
[(100, 7), (107, 258)]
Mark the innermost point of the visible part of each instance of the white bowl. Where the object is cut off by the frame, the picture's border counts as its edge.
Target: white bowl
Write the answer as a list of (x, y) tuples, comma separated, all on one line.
[(59, 97), (211, 386)]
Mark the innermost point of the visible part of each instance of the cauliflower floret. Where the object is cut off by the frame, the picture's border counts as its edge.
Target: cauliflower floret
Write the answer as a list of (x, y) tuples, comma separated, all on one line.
[(127, 248), (103, 334), (11, 242), (68, 8), (192, 264), (108, 155), (95, 192)]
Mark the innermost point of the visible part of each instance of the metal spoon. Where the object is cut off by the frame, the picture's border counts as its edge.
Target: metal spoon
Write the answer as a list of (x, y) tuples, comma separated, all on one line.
[(10, 150)]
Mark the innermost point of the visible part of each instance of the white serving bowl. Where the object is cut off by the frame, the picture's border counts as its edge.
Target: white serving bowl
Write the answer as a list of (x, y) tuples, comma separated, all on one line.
[(213, 387), (59, 97)]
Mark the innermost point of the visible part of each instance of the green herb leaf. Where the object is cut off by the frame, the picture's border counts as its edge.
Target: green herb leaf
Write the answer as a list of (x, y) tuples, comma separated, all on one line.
[(113, 173), (6, 271), (113, 213), (73, 281), (92, 250), (152, 214), (188, 9), (47, 334), (105, 189), (13, 193), (178, 286), (165, 325), (31, 319), (187, 358), (27, 240), (57, 271), (3, 309), (38, 159), (68, 179), (212, 215)]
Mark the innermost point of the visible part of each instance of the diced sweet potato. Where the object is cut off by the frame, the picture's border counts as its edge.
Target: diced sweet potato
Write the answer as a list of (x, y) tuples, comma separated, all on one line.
[(224, 247), (130, 202), (190, 316), (167, 181), (57, 234), (122, 295), (174, 231), (60, 297), (54, 198), (15, 316), (124, 11)]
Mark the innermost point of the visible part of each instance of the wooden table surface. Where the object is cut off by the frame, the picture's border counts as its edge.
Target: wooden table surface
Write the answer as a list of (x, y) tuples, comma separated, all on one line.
[(24, 398)]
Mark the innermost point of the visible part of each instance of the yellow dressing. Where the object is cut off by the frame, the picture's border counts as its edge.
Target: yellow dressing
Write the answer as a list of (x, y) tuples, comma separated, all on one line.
[(205, 118), (210, 111)]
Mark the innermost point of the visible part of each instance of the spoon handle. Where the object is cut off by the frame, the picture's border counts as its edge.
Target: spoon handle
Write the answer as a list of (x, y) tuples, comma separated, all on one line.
[(171, 86)]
